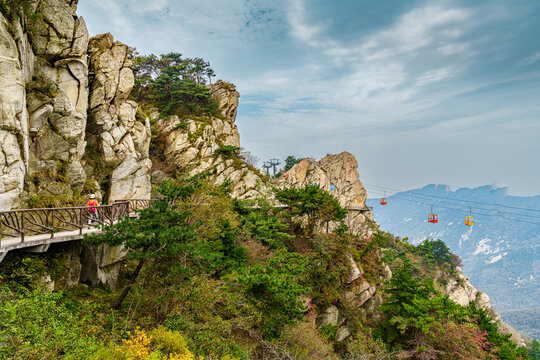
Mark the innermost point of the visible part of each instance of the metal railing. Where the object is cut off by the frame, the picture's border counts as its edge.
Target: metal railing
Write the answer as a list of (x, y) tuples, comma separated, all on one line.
[(27, 222)]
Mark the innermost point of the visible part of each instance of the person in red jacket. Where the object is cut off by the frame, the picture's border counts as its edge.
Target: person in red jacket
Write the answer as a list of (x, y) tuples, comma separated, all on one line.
[(92, 209)]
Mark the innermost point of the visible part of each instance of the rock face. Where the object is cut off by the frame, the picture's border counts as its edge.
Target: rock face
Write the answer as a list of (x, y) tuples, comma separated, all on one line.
[(113, 127), (58, 93), (45, 92), (13, 120), (88, 265), (461, 291), (338, 175), (192, 145)]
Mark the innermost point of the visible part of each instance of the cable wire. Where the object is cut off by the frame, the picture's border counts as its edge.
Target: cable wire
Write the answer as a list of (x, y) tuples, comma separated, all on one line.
[(460, 200), (400, 196), (466, 206)]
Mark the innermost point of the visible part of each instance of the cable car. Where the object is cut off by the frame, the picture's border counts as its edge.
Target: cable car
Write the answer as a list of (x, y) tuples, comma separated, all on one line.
[(284, 175), (383, 199), (361, 198), (332, 187), (469, 219), (298, 176), (433, 218)]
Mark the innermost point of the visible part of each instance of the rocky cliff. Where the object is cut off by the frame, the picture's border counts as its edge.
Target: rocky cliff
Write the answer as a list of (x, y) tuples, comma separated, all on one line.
[(193, 145), (337, 174), (46, 94)]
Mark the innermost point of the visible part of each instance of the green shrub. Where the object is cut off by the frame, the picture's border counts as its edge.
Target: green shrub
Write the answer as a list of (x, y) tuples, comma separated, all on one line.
[(227, 150), (328, 332), (275, 288), (181, 125), (37, 325)]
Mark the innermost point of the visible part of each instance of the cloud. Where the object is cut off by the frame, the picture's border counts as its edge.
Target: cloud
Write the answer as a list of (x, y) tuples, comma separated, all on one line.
[(299, 28), (415, 30), (529, 60), (314, 79)]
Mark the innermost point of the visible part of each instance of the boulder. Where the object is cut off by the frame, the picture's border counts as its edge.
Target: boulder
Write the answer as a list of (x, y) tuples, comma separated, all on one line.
[(52, 32), (359, 294), (329, 316), (354, 271), (342, 333)]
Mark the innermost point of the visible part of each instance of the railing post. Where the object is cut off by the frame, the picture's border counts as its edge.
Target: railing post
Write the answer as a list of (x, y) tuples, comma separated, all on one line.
[(102, 221), (22, 226), (80, 221), (52, 223)]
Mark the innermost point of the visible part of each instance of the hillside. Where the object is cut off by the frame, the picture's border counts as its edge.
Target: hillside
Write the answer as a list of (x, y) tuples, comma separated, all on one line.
[(500, 256), (224, 262)]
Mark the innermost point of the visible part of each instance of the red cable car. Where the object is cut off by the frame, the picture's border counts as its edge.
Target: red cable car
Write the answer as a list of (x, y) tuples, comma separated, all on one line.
[(433, 218), (383, 199)]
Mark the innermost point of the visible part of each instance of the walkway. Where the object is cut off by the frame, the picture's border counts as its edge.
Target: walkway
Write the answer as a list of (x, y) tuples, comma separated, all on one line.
[(36, 229)]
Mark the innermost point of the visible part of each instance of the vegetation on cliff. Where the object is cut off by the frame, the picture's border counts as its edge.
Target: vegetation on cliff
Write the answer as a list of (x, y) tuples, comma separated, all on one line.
[(210, 276), (174, 84)]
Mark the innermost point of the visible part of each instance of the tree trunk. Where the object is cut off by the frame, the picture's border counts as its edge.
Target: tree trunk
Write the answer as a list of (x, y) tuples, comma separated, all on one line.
[(116, 304)]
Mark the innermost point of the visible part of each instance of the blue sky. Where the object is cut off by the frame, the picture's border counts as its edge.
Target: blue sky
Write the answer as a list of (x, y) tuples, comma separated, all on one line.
[(419, 91)]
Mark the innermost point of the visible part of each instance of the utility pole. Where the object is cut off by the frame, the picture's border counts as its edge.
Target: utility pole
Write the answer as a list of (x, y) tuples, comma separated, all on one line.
[(266, 166), (274, 163)]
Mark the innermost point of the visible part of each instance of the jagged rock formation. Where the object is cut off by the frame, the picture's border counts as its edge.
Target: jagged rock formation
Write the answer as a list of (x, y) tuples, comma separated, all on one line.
[(192, 144), (44, 97), (58, 95), (113, 128), (460, 290), (340, 173)]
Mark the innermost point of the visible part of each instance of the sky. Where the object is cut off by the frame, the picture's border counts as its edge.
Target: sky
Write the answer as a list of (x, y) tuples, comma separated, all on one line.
[(420, 92)]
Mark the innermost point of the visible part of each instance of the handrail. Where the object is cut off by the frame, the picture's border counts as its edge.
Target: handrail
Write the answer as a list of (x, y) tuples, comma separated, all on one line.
[(20, 223)]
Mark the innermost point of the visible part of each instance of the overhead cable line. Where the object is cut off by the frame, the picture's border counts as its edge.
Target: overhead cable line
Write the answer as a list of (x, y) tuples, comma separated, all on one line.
[(400, 196), (452, 199), (422, 196)]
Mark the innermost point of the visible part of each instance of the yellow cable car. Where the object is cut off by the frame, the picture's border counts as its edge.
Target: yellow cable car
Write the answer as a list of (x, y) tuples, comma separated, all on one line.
[(469, 219), (361, 199)]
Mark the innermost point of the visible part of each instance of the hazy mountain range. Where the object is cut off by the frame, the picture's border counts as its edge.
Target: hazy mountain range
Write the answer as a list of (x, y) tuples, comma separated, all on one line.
[(500, 252)]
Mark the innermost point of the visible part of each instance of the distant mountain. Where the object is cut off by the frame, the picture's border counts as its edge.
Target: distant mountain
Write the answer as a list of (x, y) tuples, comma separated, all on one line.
[(500, 256)]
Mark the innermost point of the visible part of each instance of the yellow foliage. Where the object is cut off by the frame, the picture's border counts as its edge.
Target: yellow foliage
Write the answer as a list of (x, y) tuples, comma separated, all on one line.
[(159, 344), (137, 346)]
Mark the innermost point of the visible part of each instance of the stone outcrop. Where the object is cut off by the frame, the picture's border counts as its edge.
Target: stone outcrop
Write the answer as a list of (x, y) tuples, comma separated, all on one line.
[(43, 97), (113, 127), (45, 93), (460, 290), (192, 145), (13, 121), (88, 265), (58, 93), (337, 174)]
